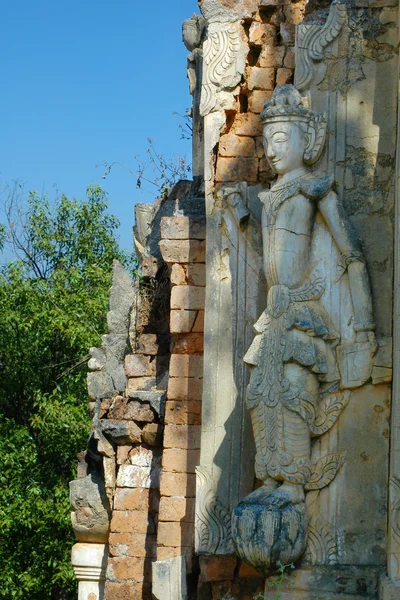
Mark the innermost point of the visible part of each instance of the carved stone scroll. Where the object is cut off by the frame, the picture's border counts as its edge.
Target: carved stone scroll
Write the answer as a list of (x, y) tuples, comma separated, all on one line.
[(312, 40), (213, 521), (223, 65)]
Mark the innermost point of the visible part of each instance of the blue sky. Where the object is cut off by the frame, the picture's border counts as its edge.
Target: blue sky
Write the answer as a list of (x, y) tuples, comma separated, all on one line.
[(85, 81)]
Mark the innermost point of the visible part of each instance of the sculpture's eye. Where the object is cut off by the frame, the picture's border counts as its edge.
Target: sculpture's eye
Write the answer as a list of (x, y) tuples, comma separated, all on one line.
[(280, 137)]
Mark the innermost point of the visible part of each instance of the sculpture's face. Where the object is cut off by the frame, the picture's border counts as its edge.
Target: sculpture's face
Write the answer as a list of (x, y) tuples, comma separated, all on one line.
[(284, 145)]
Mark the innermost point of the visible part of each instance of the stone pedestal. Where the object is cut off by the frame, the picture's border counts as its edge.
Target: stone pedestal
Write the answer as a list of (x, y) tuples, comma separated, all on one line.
[(89, 562)]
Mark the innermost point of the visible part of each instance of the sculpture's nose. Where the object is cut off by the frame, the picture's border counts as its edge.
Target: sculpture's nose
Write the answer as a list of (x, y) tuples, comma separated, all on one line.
[(270, 151)]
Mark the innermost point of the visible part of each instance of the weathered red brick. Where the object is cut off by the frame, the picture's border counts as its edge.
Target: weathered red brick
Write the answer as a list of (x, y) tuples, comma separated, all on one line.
[(135, 544), (262, 34), (283, 76), (183, 412), (176, 509), (126, 568), (128, 410), (178, 484), (182, 321), (177, 460), (175, 534), (247, 124), (182, 365), (234, 145), (152, 434), (132, 499), (182, 436), (187, 343), (272, 56), (138, 365), (187, 297), (126, 521), (256, 102), (260, 78), (185, 388)]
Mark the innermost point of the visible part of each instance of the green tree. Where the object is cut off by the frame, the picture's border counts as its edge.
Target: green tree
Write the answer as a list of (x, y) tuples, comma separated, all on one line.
[(53, 302)]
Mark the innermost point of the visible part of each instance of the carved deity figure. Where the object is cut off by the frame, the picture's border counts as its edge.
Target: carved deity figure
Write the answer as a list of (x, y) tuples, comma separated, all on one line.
[(295, 390)]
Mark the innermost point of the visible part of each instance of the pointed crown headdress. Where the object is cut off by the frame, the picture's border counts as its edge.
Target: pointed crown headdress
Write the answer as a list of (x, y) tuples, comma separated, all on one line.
[(287, 104)]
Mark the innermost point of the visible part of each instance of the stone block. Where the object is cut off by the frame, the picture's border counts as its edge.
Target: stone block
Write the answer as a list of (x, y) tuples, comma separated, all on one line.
[(149, 266), (182, 321), (154, 398), (196, 274), (175, 534), (178, 484), (133, 544), (132, 499), (260, 78), (127, 521), (183, 251), (152, 434), (182, 436), (99, 384), (188, 343), (183, 228), (186, 365), (187, 297), (289, 60), (218, 568), (169, 579), (123, 454), (257, 99), (176, 509), (121, 569), (142, 457), (183, 412), (122, 432), (127, 409), (178, 274), (288, 34), (139, 365), (234, 145), (272, 56), (236, 169), (247, 124), (283, 76), (185, 388), (140, 384), (198, 326), (134, 477), (262, 34)]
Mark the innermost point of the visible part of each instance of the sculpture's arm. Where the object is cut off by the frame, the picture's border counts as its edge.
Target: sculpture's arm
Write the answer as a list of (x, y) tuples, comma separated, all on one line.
[(353, 260)]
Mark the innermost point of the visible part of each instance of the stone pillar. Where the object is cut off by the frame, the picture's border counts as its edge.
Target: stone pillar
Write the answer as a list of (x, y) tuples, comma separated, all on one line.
[(89, 562)]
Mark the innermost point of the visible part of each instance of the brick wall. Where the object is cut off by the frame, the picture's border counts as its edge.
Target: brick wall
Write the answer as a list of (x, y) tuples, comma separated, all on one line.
[(183, 249)]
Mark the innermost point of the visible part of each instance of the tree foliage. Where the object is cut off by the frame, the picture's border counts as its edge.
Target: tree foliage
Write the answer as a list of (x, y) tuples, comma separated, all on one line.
[(53, 302)]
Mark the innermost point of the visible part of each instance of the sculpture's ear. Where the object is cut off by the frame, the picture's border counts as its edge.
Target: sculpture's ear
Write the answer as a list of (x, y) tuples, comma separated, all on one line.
[(316, 134)]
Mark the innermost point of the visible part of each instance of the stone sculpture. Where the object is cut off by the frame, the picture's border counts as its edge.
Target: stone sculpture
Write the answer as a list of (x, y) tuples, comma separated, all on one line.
[(300, 375)]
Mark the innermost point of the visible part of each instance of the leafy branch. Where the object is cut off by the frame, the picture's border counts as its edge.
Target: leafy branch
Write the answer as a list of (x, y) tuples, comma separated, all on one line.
[(277, 584), (161, 173)]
